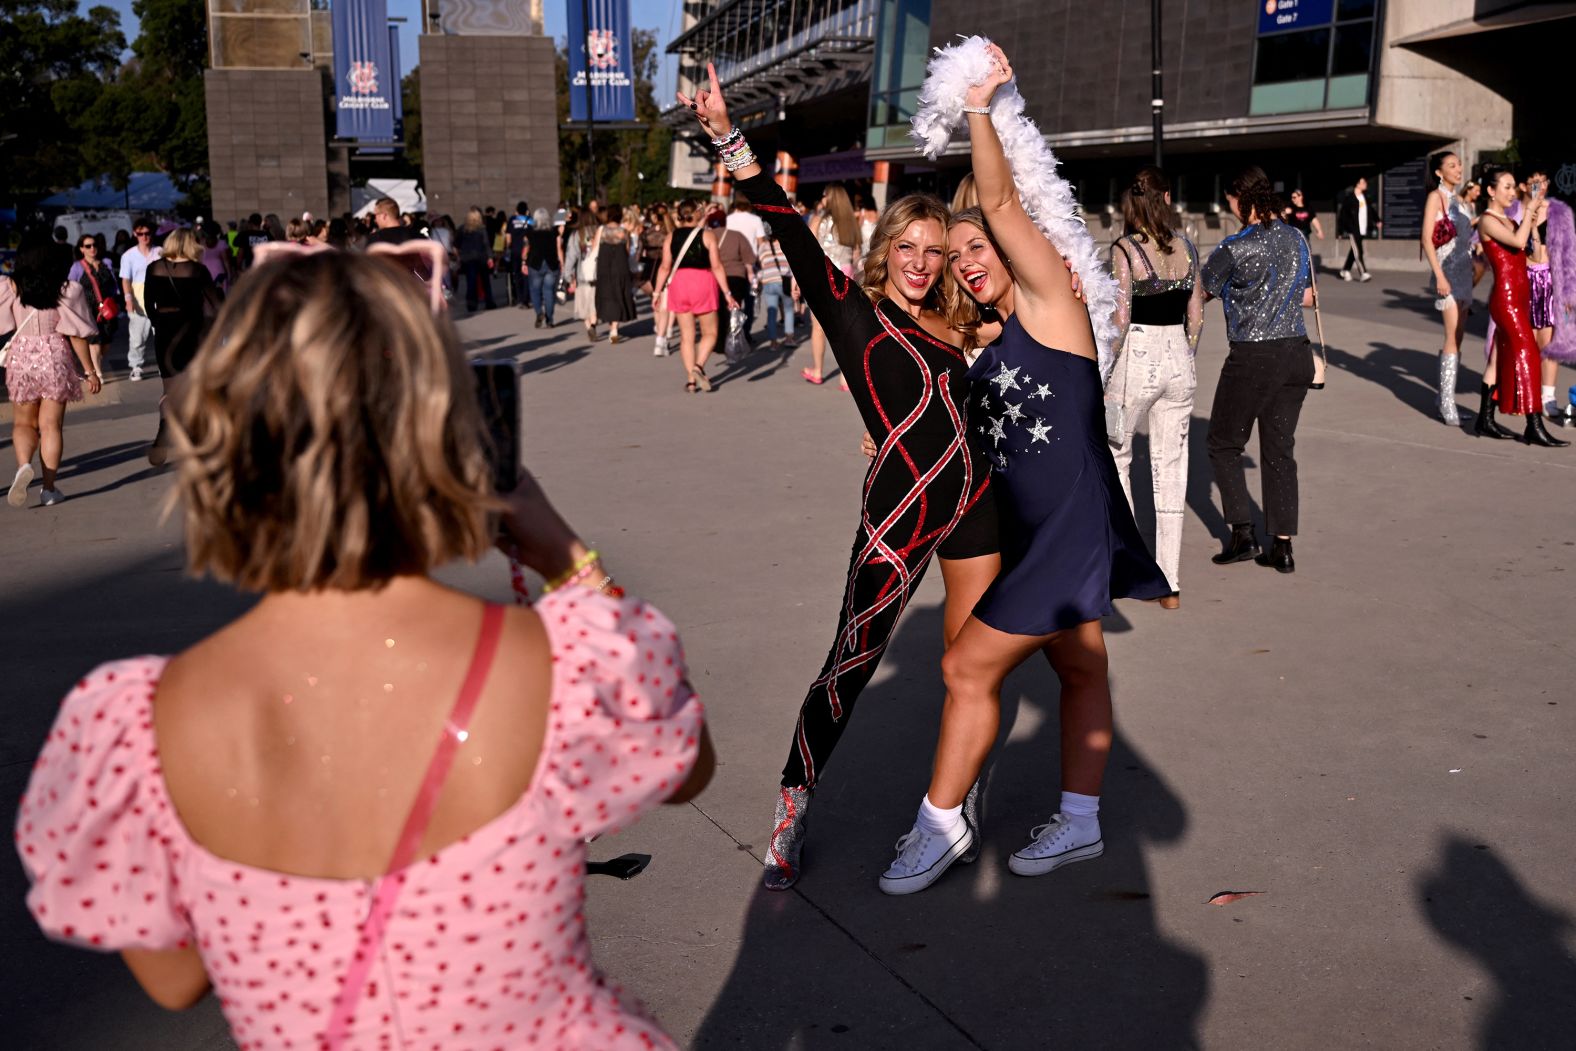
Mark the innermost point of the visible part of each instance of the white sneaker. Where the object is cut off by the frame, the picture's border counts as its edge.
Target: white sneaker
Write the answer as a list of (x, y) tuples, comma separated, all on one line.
[(1365, 276), (1346, 275), (923, 856), (50, 497), (17, 497), (136, 374), (659, 349), (1053, 845)]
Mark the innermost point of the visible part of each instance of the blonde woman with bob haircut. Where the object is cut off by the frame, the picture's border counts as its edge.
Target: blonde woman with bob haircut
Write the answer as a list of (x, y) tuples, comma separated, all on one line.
[(368, 767)]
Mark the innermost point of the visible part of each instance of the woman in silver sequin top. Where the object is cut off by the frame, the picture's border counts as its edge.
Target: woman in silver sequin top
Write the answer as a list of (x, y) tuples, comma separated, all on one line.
[(1160, 313), (1451, 263)]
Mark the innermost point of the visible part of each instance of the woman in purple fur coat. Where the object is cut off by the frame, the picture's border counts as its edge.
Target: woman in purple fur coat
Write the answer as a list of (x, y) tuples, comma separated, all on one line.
[(1558, 339)]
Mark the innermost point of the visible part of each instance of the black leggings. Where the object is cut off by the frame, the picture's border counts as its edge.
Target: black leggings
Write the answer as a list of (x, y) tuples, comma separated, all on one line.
[(873, 601)]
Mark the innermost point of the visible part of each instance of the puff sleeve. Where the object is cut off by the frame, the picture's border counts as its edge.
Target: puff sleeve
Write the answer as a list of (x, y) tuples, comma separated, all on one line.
[(76, 317), (625, 727), (93, 831)]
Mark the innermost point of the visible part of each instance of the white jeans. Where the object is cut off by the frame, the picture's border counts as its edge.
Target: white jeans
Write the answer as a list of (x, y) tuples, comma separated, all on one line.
[(139, 330), (1155, 378)]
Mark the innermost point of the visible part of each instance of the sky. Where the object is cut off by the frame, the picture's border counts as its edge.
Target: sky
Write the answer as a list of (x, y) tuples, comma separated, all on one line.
[(660, 15)]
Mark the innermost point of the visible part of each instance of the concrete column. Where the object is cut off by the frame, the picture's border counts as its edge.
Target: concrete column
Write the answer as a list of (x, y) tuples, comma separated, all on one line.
[(489, 122), (786, 173), (881, 184), (266, 141)]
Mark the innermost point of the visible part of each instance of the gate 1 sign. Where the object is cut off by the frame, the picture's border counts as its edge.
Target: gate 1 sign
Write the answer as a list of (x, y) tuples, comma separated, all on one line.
[(610, 61), (1278, 16), (365, 80)]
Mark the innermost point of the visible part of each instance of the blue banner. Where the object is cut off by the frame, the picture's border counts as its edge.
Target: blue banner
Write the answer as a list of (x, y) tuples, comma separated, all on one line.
[(366, 82), (604, 51), (1280, 16)]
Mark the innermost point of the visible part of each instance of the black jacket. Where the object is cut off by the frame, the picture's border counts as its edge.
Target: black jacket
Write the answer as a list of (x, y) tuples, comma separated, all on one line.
[(1346, 217)]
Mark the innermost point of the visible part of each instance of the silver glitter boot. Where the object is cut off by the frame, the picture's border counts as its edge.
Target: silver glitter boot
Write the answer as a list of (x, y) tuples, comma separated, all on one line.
[(787, 841), (1447, 389), (971, 814)]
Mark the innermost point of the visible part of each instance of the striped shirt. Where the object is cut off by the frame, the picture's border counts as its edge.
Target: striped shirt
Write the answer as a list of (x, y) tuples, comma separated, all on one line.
[(769, 262)]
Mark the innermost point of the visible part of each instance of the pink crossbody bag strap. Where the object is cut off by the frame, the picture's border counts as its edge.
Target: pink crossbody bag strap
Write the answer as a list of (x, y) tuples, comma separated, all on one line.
[(386, 891)]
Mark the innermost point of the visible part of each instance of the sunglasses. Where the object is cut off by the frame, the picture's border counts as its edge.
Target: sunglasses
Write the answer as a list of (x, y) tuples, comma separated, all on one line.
[(144, 233), (85, 245)]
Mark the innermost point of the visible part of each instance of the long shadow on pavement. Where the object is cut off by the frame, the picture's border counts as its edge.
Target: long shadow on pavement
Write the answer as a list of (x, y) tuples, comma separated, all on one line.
[(51, 995), (1411, 375), (1475, 902), (983, 958)]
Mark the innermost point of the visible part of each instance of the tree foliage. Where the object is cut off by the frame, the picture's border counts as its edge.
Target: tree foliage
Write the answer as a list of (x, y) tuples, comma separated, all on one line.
[(51, 58), (74, 111), (631, 166)]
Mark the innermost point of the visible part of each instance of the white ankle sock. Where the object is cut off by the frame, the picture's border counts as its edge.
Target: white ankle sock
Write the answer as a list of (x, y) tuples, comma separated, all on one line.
[(1548, 395), (937, 820), (1081, 811)]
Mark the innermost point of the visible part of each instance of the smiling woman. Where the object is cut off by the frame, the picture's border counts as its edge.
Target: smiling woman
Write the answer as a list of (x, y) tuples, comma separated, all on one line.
[(926, 491)]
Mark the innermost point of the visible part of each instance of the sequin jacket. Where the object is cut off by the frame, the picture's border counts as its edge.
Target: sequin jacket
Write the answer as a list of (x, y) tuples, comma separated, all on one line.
[(1259, 275)]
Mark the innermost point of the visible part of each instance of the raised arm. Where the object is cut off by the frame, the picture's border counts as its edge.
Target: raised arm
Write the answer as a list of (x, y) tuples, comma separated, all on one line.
[(1036, 264), (1517, 236), (834, 297)]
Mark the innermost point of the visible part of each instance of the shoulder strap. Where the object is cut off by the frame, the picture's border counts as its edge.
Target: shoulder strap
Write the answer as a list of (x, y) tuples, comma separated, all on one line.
[(386, 890), (1148, 266)]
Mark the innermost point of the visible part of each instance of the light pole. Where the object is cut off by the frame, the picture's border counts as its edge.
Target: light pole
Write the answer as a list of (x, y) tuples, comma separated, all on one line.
[(1157, 101), (585, 21)]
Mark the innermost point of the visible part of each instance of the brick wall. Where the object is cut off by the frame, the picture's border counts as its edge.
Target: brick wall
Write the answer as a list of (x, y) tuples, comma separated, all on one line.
[(489, 122), (266, 142)]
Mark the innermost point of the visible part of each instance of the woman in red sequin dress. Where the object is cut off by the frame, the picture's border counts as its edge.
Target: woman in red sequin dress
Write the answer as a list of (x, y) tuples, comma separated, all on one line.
[(1510, 305)]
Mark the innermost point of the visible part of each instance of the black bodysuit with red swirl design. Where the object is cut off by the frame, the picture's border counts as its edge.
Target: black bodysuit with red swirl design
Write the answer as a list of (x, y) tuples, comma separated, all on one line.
[(927, 490)]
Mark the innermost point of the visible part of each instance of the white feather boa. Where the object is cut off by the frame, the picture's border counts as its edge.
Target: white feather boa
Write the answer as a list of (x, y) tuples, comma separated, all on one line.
[(1046, 196)]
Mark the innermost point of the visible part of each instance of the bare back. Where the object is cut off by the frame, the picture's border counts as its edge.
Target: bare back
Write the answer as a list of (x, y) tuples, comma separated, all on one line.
[(294, 739)]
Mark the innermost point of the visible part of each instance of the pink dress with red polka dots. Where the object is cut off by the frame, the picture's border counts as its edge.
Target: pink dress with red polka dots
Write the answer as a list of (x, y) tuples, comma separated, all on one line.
[(487, 947)]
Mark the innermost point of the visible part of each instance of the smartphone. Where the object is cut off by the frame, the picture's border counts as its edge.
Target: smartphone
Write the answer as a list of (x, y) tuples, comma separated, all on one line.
[(498, 391)]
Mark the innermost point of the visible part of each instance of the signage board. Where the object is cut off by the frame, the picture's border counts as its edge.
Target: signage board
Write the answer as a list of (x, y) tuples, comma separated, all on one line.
[(1404, 193), (366, 82), (1281, 16), (601, 52)]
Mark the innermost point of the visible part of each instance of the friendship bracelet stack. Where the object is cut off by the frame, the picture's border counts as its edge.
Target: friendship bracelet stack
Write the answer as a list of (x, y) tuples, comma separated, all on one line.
[(585, 567), (735, 152)]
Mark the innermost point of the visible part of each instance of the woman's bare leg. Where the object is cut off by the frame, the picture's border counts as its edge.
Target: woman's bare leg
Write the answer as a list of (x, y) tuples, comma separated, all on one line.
[(24, 432), (687, 343), (708, 339), (979, 659), (51, 420), (966, 580), (1078, 656)]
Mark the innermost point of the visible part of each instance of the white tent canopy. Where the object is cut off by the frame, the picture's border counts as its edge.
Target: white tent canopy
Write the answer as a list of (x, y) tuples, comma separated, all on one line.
[(404, 192)]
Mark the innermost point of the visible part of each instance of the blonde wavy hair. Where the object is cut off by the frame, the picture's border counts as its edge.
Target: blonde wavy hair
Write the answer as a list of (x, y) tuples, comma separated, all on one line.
[(897, 217), (958, 307), (181, 245), (327, 434)]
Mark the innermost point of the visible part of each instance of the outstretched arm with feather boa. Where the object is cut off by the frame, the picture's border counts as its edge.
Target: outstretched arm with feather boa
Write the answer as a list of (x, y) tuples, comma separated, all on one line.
[(1046, 196)]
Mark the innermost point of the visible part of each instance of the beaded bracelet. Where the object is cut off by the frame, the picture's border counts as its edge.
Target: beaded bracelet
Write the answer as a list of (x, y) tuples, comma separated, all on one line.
[(580, 568), (734, 135), (522, 594), (743, 160)]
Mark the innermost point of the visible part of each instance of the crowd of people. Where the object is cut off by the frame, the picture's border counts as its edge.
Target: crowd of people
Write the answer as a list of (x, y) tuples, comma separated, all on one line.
[(426, 815)]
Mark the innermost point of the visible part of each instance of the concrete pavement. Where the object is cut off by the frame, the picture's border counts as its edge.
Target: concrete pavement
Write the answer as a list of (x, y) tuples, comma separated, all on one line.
[(1380, 744)]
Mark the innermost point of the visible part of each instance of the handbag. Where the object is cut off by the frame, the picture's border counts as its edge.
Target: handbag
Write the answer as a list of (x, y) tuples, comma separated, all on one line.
[(587, 267), (5, 348), (1444, 226), (109, 307)]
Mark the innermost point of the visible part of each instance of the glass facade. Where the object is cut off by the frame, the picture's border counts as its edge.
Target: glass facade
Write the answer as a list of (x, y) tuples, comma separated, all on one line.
[(902, 48), (1316, 55)]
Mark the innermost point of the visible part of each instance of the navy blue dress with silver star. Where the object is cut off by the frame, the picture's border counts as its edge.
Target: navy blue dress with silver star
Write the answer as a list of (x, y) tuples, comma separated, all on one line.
[(1069, 542)]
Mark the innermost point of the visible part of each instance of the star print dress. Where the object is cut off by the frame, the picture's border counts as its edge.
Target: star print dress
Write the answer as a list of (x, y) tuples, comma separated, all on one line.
[(1069, 542)]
